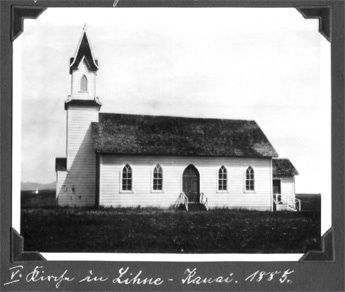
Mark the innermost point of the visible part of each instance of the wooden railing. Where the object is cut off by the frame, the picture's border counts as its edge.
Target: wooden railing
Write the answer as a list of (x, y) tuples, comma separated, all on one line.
[(298, 204), (204, 200), (295, 204), (275, 201), (182, 200), (292, 204)]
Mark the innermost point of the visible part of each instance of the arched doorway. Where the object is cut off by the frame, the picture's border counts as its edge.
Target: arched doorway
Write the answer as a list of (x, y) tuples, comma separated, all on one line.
[(276, 193), (191, 184)]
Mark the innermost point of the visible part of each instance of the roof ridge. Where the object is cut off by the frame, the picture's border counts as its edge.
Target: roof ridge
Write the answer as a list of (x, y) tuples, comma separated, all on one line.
[(179, 117)]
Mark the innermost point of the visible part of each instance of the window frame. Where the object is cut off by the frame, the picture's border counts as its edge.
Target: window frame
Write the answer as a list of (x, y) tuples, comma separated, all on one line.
[(226, 190), (249, 180), (152, 183), (122, 179)]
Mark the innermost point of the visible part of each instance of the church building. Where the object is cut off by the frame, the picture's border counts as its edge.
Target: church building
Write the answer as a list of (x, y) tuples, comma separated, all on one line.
[(124, 160)]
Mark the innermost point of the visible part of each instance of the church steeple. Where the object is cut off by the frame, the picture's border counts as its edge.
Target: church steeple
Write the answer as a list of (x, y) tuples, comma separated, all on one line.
[(84, 51), (76, 185), (83, 69)]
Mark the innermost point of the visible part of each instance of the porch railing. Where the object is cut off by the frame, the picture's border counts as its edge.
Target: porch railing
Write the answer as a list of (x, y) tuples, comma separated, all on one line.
[(204, 200), (298, 204), (182, 200), (292, 204)]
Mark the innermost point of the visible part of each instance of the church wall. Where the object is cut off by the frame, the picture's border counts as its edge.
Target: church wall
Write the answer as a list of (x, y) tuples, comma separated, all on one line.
[(173, 167), (79, 136), (78, 186), (60, 179)]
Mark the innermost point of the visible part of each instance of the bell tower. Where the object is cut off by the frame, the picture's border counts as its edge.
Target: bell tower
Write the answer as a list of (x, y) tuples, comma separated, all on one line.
[(76, 182), (83, 70)]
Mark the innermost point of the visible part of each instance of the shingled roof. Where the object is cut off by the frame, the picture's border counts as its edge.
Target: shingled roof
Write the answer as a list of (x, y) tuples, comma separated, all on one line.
[(283, 167), (165, 135), (84, 50)]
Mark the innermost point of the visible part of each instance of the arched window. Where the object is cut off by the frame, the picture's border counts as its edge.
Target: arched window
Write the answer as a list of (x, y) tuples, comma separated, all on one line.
[(127, 178), (83, 83), (222, 179), (250, 179), (158, 178)]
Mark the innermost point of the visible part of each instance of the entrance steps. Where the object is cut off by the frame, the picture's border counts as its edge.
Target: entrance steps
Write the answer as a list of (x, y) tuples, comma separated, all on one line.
[(196, 207), (182, 203)]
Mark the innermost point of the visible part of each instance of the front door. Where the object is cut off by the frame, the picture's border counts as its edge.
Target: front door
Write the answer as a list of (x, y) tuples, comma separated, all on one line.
[(191, 184), (276, 193)]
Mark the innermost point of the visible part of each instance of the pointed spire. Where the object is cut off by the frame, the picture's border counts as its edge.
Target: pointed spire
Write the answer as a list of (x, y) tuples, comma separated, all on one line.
[(84, 51)]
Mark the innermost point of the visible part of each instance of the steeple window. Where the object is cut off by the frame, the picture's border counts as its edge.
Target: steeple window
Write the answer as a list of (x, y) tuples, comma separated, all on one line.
[(83, 83)]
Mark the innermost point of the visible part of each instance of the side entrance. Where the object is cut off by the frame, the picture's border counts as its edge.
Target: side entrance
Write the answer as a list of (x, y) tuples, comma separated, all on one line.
[(276, 193), (191, 183)]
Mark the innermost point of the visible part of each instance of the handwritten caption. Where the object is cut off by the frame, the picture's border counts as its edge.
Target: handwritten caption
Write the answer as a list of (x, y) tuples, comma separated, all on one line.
[(126, 276)]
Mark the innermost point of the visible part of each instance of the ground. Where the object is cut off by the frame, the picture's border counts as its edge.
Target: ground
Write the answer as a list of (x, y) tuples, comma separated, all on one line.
[(149, 230), (310, 202)]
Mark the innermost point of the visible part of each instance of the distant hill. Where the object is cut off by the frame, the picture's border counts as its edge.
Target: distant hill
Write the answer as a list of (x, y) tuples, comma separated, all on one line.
[(31, 186)]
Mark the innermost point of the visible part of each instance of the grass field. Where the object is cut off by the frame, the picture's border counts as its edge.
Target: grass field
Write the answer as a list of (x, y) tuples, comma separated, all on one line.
[(310, 202), (168, 231), (45, 198)]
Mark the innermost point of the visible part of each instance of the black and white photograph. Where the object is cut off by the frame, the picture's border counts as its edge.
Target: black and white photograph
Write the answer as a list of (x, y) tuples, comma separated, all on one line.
[(172, 145), (173, 132)]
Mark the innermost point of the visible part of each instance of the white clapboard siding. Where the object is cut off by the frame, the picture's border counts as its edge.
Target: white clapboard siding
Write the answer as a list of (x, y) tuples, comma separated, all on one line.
[(79, 137), (76, 82), (288, 188), (76, 190), (67, 197), (78, 186), (60, 180), (173, 167)]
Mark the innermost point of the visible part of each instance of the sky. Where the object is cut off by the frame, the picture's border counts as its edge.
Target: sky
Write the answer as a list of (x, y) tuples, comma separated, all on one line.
[(265, 64)]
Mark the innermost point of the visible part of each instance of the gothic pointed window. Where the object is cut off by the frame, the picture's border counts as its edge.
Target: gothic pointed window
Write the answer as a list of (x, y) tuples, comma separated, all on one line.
[(222, 179), (250, 179), (83, 83), (127, 178), (158, 178)]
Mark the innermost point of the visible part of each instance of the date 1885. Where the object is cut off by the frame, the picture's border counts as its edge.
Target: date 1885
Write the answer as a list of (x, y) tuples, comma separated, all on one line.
[(259, 276)]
